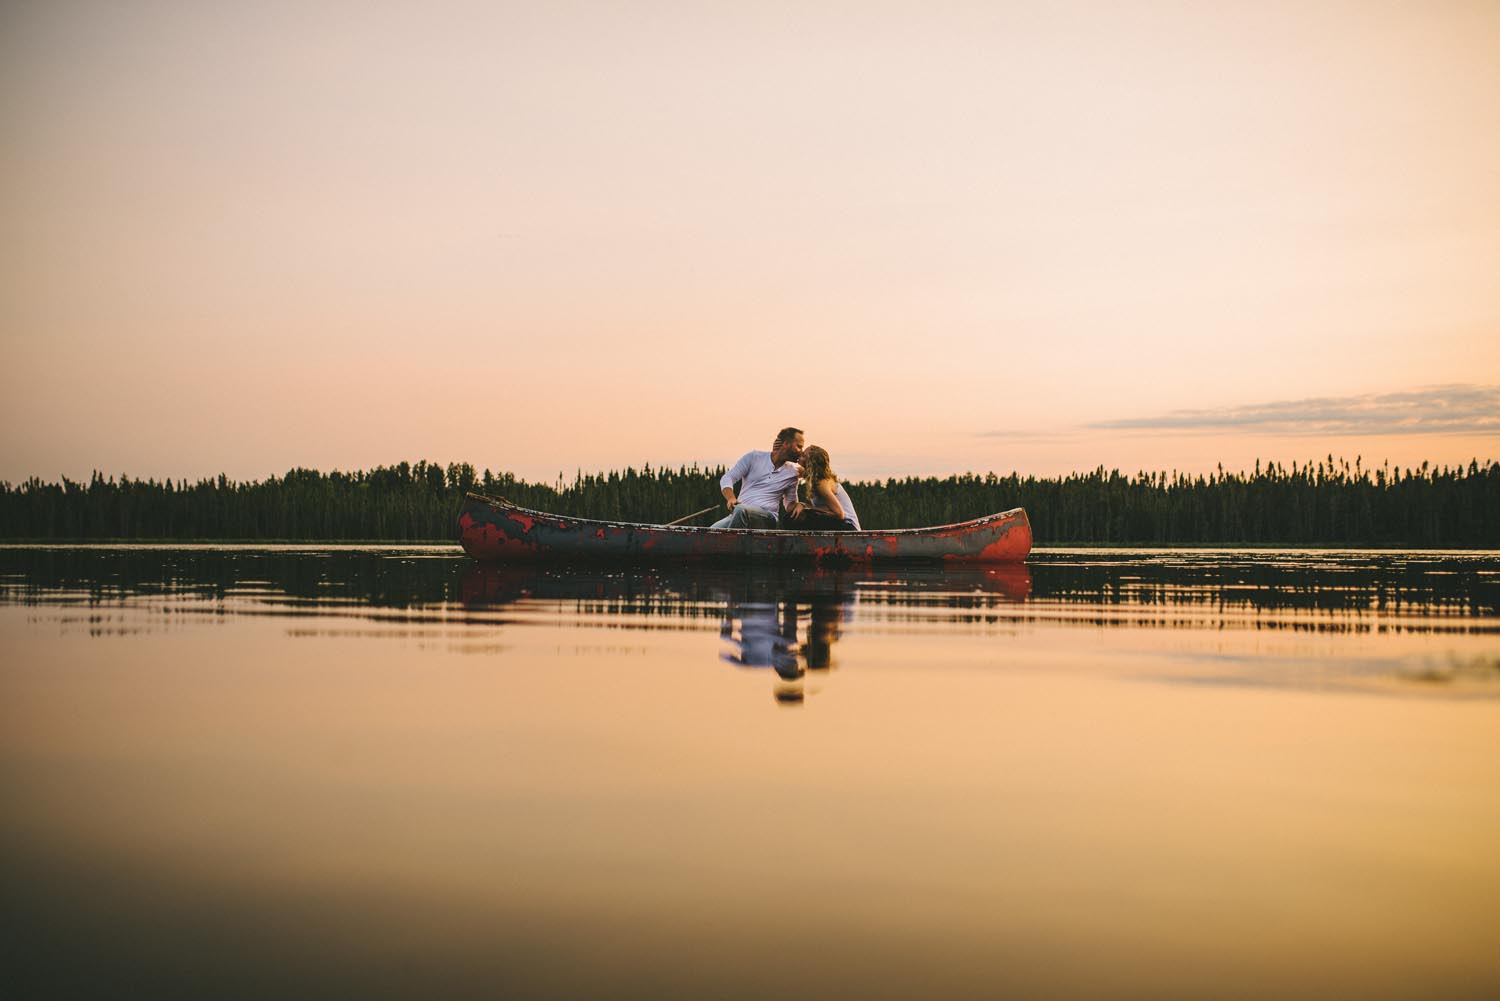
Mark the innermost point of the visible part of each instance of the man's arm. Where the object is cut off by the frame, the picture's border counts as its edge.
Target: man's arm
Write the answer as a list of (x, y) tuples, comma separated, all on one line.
[(790, 502), (736, 473)]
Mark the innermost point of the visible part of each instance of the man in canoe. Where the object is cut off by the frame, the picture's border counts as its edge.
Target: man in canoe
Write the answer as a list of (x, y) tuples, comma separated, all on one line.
[(767, 483)]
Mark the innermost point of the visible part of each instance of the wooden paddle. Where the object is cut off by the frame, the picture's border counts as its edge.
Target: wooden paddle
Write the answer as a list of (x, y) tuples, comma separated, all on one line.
[(690, 517)]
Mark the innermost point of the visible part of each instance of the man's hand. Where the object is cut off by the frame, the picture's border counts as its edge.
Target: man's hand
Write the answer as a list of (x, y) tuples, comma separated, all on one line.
[(795, 511), (730, 500)]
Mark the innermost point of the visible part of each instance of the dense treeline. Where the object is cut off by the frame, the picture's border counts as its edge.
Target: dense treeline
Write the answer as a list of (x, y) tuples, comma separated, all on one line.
[(1325, 503)]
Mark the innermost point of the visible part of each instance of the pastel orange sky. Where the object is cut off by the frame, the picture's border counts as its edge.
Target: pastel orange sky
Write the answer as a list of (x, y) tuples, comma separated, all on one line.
[(939, 237)]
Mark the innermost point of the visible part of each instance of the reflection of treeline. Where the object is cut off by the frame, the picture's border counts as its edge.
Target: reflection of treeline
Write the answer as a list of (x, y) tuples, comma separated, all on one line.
[(1455, 589), (1328, 503)]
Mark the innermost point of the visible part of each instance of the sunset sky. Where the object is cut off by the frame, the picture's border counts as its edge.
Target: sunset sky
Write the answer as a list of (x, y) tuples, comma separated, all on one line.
[(938, 236)]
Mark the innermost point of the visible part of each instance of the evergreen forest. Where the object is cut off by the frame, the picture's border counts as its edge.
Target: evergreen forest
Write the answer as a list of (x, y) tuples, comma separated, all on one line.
[(1325, 503)]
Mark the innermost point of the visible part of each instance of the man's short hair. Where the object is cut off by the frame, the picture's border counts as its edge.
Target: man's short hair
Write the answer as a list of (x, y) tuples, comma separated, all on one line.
[(786, 434)]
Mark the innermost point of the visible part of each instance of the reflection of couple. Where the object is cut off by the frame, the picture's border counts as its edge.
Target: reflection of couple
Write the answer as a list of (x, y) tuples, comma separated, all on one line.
[(764, 640), (768, 489), (768, 637)]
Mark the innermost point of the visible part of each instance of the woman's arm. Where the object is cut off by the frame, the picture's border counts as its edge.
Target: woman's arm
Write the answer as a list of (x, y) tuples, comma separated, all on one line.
[(830, 500)]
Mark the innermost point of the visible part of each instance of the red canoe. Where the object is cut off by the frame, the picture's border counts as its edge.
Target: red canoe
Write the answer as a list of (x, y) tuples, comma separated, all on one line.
[(492, 529)]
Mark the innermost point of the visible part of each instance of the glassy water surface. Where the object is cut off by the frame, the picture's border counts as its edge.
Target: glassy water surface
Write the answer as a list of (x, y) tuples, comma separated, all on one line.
[(238, 771)]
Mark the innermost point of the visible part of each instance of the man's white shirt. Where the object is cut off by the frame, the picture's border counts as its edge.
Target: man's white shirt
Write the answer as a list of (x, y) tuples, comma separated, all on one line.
[(764, 485)]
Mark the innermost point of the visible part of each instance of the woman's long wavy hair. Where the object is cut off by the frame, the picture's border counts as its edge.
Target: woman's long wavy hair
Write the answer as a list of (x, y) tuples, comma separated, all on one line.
[(815, 468)]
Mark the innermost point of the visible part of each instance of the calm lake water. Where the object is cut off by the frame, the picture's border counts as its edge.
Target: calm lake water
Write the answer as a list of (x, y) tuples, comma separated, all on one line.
[(235, 771)]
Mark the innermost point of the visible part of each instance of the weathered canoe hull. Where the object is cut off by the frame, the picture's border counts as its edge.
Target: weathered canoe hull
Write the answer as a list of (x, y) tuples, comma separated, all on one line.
[(494, 530)]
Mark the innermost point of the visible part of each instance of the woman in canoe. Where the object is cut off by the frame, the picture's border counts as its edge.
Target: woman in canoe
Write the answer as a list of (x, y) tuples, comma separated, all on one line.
[(829, 508)]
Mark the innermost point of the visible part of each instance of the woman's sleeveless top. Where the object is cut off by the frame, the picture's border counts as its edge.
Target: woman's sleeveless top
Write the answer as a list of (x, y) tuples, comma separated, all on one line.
[(850, 518)]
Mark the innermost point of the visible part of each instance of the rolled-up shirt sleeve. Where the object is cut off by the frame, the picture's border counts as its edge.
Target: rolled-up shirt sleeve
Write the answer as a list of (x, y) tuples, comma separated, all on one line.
[(737, 472)]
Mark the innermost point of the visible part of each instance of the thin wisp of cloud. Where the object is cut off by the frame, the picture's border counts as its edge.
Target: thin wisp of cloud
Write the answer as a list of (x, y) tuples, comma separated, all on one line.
[(1450, 409)]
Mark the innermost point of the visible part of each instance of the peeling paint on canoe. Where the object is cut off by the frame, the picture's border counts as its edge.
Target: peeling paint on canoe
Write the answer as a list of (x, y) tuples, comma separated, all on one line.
[(491, 529), (492, 537)]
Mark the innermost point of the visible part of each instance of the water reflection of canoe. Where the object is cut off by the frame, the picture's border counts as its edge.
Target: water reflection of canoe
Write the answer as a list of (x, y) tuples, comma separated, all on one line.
[(666, 587), (494, 529)]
